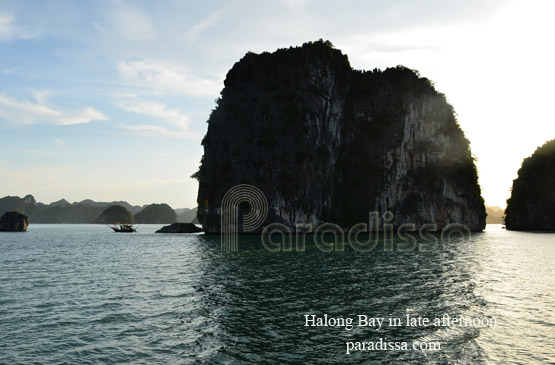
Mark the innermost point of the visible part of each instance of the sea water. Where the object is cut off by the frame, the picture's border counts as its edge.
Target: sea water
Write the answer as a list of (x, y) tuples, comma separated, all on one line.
[(84, 294)]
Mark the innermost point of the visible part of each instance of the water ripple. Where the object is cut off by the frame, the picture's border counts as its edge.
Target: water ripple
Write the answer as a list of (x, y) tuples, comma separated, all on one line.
[(80, 294)]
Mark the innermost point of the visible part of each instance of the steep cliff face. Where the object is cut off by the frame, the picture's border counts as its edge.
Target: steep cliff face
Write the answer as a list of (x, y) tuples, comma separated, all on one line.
[(532, 203), (326, 143)]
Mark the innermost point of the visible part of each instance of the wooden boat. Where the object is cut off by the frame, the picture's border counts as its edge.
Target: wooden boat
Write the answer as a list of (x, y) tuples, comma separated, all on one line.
[(125, 228)]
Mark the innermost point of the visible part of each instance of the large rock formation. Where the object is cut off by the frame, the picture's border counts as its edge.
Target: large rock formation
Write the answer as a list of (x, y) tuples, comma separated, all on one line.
[(532, 203), (326, 143), (14, 222)]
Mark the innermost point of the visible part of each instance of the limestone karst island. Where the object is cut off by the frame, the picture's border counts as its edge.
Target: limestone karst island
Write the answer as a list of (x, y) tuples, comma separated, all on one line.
[(327, 143)]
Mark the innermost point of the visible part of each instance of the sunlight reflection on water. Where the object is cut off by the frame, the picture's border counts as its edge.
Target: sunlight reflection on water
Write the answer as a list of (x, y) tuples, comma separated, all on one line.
[(79, 293)]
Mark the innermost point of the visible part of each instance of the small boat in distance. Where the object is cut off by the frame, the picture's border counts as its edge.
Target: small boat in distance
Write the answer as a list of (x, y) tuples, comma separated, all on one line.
[(125, 228)]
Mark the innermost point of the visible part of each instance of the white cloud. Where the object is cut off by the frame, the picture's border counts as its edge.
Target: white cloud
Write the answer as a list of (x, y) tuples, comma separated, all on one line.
[(60, 143), (150, 130), (175, 123), (6, 31), (206, 23), (158, 110), (81, 117), (10, 31), (164, 77), (99, 27), (27, 113), (42, 96)]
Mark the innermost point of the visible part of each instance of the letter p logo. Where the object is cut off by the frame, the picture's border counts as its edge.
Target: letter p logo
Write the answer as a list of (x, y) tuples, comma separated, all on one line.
[(230, 213)]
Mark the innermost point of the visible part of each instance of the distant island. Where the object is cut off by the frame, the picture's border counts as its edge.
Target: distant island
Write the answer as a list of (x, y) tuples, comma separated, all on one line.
[(327, 143), (116, 213), (494, 215), (89, 211), (156, 213), (531, 206)]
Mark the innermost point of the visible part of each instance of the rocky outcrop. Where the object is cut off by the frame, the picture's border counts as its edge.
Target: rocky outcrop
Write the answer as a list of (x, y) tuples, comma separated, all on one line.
[(326, 143), (531, 206), (14, 222), (180, 228)]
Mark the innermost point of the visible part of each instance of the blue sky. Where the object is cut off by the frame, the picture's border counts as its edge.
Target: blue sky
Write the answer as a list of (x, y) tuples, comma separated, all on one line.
[(108, 100)]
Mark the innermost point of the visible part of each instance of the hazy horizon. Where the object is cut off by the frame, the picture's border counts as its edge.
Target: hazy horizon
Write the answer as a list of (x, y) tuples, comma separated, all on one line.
[(109, 101)]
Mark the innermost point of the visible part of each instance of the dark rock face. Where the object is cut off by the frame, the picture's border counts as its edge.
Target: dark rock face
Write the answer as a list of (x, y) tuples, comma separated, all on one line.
[(180, 228), (326, 143), (14, 222), (531, 206)]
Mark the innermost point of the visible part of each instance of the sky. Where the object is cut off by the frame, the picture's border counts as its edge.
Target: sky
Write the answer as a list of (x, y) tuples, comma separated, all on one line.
[(108, 100)]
